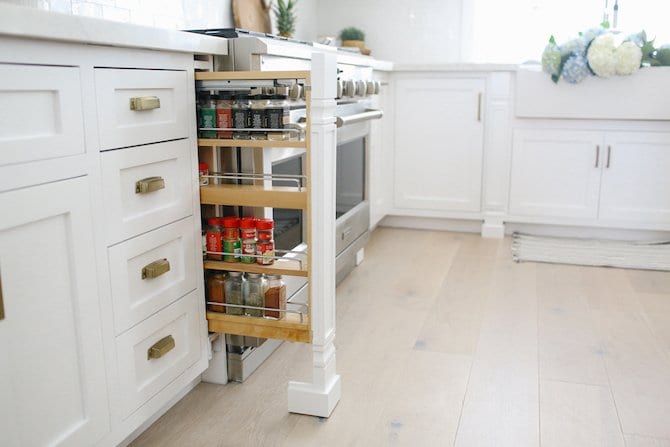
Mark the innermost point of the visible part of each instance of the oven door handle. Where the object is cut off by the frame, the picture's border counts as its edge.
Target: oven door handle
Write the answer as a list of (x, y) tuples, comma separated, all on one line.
[(369, 114)]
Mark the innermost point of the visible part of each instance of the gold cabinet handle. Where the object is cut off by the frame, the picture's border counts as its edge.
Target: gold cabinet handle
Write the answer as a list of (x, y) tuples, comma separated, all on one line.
[(2, 303), (139, 103), (161, 347), (149, 184), (155, 269)]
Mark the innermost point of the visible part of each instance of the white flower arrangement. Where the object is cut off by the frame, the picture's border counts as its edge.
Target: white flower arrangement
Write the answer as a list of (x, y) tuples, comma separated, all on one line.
[(602, 53)]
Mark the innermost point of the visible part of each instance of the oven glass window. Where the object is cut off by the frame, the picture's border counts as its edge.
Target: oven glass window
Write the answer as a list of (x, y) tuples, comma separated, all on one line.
[(350, 183), (288, 231)]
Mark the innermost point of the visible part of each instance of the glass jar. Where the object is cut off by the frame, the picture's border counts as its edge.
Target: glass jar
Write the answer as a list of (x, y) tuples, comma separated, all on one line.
[(254, 294), (231, 239), (203, 171), (213, 238), (277, 115), (233, 289), (216, 291), (207, 116), (240, 110), (258, 105), (275, 297), (224, 115), (248, 228), (265, 247)]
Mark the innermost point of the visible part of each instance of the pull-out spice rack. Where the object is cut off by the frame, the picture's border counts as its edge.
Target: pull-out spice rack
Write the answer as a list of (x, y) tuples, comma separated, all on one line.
[(295, 324)]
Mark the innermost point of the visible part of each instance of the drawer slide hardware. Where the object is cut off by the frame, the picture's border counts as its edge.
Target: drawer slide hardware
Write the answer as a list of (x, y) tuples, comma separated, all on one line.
[(149, 184), (139, 103), (156, 269), (161, 347)]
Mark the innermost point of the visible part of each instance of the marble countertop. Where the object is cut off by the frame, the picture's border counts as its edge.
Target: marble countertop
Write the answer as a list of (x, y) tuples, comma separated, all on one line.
[(31, 23)]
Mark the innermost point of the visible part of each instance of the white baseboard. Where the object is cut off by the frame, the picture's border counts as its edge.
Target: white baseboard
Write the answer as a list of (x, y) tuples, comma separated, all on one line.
[(432, 223)]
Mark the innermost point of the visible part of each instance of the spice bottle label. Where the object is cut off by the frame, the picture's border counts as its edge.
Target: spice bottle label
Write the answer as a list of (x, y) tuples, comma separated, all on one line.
[(224, 119)]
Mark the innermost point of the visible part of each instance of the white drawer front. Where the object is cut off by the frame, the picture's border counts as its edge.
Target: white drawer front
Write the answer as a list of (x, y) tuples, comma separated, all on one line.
[(121, 126), (137, 292), (129, 213), (140, 377), (40, 113)]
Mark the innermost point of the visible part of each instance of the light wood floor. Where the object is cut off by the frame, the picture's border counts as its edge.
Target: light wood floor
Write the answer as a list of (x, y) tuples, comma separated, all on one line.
[(442, 340)]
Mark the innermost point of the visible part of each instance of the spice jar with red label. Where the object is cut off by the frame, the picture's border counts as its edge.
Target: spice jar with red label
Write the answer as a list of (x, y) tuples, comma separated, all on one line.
[(248, 236), (232, 245), (213, 238), (265, 247)]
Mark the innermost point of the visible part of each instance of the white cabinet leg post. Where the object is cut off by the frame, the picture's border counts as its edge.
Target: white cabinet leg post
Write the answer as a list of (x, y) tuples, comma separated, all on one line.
[(320, 397)]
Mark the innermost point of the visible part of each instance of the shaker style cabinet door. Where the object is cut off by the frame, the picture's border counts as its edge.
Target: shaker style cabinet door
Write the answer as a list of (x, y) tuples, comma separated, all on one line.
[(556, 173), (439, 144), (53, 388), (636, 180)]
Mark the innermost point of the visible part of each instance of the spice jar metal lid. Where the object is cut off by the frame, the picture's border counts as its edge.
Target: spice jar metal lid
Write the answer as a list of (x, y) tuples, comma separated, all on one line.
[(254, 275), (234, 274), (265, 224), (248, 222), (231, 222)]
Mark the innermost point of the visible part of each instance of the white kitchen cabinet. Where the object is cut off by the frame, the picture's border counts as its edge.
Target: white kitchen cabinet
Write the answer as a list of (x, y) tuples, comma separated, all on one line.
[(438, 144), (53, 384), (636, 181), (555, 173), (610, 178)]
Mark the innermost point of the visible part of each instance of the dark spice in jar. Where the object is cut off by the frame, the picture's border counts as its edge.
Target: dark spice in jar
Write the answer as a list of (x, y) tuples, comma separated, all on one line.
[(216, 291)]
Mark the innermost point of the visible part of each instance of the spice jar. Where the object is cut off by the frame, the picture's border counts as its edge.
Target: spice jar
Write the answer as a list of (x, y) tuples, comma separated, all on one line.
[(231, 239), (207, 116), (213, 238), (257, 106), (224, 115), (265, 247), (241, 115), (233, 288), (216, 291), (203, 171), (248, 235), (248, 228), (277, 114), (254, 294), (275, 297)]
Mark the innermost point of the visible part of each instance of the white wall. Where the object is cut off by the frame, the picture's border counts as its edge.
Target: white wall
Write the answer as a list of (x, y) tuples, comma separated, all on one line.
[(175, 14), (403, 31)]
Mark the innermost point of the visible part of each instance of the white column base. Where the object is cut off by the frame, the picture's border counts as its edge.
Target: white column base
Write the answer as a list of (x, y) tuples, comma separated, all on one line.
[(493, 229), (218, 363), (312, 399)]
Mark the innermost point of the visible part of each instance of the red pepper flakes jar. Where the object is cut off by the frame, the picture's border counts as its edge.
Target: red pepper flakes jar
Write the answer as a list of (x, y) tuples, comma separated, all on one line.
[(213, 238), (248, 235), (265, 247), (231, 239)]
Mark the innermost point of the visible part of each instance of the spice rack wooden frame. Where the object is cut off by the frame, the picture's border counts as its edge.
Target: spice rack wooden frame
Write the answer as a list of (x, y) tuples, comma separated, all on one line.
[(290, 328)]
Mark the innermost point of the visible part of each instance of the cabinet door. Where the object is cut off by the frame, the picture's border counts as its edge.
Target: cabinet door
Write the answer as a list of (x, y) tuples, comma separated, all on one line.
[(53, 387), (555, 173), (636, 178), (438, 144)]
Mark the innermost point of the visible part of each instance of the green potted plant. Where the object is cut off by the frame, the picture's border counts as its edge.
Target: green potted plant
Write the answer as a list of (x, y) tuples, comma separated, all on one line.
[(353, 37), (286, 16)]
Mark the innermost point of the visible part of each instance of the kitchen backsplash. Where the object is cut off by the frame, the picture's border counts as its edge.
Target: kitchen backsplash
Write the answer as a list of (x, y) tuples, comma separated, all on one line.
[(174, 14)]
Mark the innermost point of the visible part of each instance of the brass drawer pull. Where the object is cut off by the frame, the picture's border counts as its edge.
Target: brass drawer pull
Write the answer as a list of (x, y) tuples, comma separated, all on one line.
[(156, 269), (2, 303), (139, 103), (149, 184), (160, 348)]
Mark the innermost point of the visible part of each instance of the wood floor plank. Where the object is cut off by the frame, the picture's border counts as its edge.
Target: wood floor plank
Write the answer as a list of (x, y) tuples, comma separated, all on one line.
[(578, 415)]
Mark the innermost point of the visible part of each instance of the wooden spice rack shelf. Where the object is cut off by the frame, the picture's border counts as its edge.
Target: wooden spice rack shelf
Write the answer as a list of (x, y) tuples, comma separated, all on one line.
[(288, 267), (254, 195), (291, 328), (207, 142)]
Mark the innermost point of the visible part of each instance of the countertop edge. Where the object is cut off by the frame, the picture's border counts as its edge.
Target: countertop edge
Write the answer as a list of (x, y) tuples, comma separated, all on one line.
[(32, 23), (456, 66)]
